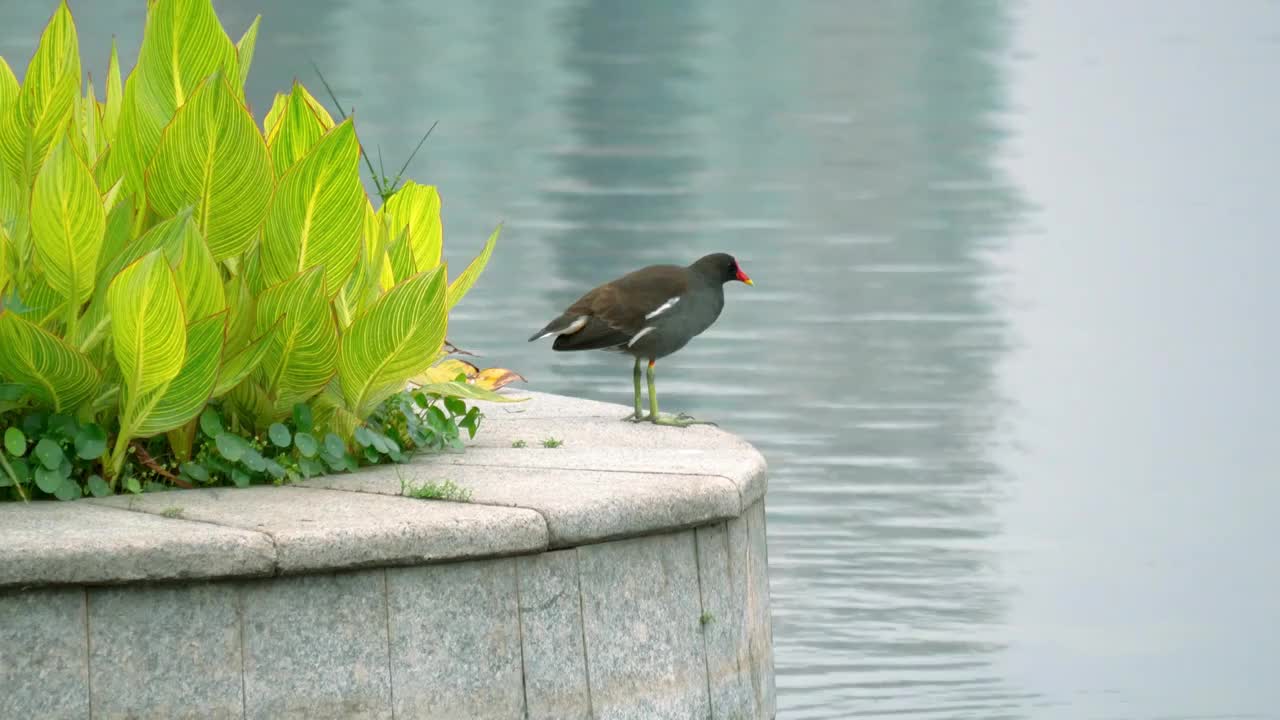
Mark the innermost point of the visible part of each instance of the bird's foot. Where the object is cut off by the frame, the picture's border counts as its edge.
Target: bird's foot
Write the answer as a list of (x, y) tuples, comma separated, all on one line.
[(681, 420), (635, 417)]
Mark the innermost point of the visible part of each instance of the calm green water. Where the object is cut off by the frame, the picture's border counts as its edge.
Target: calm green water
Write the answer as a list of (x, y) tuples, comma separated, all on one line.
[(1012, 349)]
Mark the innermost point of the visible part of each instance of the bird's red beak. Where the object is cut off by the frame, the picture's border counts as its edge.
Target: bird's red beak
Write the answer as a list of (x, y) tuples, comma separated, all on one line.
[(743, 277)]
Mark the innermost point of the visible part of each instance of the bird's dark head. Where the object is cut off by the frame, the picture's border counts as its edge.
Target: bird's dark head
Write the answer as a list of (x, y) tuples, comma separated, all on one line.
[(722, 267)]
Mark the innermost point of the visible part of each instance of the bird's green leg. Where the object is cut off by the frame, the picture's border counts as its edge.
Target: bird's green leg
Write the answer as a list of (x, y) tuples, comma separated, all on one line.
[(680, 420), (638, 415)]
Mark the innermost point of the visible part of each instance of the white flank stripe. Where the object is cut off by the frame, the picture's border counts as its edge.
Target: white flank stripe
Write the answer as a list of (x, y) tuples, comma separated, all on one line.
[(635, 338), (662, 308), (575, 326)]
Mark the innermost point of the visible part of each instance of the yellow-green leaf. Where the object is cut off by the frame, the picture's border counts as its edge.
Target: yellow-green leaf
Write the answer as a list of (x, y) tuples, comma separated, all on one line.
[(10, 198), (181, 399), (183, 43), (47, 100), (169, 236), (91, 124), (400, 253), (271, 122), (211, 156), (395, 340), (297, 130), (238, 367), (461, 284), (67, 223), (417, 207), (9, 89), (115, 96), (60, 376), (316, 214), (199, 282), (467, 390), (302, 356), (6, 257), (148, 328), (244, 51)]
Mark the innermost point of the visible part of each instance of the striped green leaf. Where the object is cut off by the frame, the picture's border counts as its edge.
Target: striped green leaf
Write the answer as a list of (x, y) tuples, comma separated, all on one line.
[(240, 365), (181, 399), (47, 100), (115, 96), (417, 207), (91, 125), (400, 252), (148, 330), (392, 342), (272, 119), (302, 356), (459, 286), (10, 199), (61, 377), (182, 45), (6, 261), (198, 278), (244, 52), (169, 236), (9, 88), (211, 156), (316, 214), (467, 391), (119, 232), (297, 129), (67, 223)]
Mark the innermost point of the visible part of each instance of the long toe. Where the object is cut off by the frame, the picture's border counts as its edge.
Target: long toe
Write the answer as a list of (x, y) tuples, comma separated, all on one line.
[(681, 420)]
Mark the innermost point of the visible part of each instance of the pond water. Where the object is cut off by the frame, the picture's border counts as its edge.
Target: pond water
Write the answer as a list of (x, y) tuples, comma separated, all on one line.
[(1012, 348)]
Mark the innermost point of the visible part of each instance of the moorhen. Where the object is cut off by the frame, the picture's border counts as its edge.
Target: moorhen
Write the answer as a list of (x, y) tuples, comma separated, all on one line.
[(649, 313)]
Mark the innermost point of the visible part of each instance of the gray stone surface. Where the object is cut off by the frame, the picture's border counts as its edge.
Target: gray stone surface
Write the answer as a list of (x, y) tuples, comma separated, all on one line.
[(723, 567), (641, 611), (44, 665), (555, 668), (81, 543), (317, 529), (758, 614), (455, 641), (580, 507), (315, 647), (547, 405), (608, 443), (162, 652)]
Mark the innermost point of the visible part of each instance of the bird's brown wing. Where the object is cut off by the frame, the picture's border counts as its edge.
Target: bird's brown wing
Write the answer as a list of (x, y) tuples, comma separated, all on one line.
[(616, 311)]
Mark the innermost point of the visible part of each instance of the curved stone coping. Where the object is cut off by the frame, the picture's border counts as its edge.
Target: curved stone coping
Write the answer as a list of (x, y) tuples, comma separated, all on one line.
[(609, 479)]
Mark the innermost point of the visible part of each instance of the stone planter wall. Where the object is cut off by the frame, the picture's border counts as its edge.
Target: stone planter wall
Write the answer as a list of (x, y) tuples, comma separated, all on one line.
[(622, 575)]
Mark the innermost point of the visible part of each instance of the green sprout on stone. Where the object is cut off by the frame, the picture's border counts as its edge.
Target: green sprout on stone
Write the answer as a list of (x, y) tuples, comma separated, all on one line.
[(552, 443), (519, 444), (442, 490), (706, 618)]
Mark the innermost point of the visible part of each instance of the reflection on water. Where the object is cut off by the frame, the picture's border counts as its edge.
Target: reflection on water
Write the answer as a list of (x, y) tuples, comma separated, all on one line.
[(910, 184)]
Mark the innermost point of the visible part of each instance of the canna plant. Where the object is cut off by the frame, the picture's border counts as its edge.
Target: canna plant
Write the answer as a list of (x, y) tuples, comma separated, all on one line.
[(161, 255)]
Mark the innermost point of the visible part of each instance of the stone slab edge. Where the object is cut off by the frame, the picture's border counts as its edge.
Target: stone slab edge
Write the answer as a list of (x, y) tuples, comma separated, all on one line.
[(108, 542)]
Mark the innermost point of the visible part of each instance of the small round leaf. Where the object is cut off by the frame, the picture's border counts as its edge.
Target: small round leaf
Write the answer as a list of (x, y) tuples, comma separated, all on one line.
[(306, 444), (50, 454), (98, 487), (364, 437), (210, 423), (48, 480), (279, 434), (254, 461), (334, 446), (132, 485), (91, 442), (275, 469), (68, 490), (15, 442), (240, 478), (231, 447), (195, 471)]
